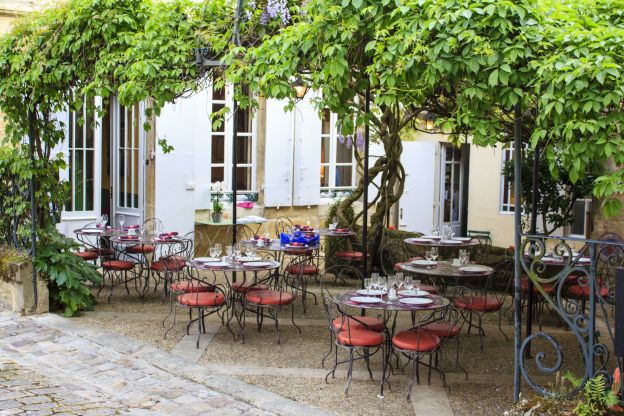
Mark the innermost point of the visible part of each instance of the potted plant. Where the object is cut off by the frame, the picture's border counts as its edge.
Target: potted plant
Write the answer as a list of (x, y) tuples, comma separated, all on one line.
[(218, 189)]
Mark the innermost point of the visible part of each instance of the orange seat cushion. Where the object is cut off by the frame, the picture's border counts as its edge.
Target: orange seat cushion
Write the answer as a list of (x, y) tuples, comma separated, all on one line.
[(269, 297), (360, 338), (140, 249), (351, 255), (302, 269), (524, 287), (442, 329), (118, 265), (579, 291), (361, 322), (86, 255), (419, 340), (203, 299), (478, 303), (191, 286), (247, 286), (171, 265)]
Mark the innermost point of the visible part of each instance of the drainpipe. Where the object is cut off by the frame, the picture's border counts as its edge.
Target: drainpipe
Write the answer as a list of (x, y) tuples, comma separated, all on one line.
[(33, 205)]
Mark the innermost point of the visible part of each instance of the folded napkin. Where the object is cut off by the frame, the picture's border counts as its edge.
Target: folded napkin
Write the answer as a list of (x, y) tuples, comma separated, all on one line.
[(130, 227), (129, 237), (168, 234), (245, 204)]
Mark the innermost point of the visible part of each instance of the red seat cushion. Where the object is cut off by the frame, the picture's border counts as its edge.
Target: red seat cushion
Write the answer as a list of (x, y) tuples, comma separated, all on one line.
[(360, 338), (524, 287), (269, 297), (203, 299), (86, 255), (140, 249), (361, 322), (419, 340), (172, 265), (478, 303), (302, 269), (118, 265), (191, 286), (351, 255), (442, 329), (297, 252), (246, 286), (579, 291)]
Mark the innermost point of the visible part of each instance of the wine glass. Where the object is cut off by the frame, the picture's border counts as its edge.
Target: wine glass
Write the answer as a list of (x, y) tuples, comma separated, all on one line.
[(252, 250), (104, 220), (383, 284), (229, 250), (213, 252), (399, 280), (434, 253), (333, 224), (408, 282), (435, 231), (218, 249), (375, 281), (368, 284), (428, 256), (416, 285), (122, 219)]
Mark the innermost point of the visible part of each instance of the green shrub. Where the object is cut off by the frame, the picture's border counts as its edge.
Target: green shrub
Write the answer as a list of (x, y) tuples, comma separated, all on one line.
[(598, 398), (66, 273), (332, 245)]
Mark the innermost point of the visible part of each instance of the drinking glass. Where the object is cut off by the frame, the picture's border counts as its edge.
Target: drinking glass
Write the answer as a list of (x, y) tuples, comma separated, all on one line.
[(104, 220), (428, 255), (229, 250), (122, 219), (252, 250), (435, 231), (400, 280), (383, 284), (416, 284), (218, 249), (408, 282), (391, 281), (368, 284), (434, 253), (375, 281), (213, 252)]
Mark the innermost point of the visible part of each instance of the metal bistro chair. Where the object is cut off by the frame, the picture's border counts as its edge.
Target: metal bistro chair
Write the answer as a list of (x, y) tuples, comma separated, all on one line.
[(91, 245), (117, 271), (151, 226), (297, 274), (337, 324), (354, 335), (207, 302)]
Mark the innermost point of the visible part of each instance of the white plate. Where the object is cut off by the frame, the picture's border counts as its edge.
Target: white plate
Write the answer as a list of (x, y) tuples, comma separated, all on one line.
[(248, 259), (92, 231), (450, 242), (370, 292), (462, 238), (474, 269), (206, 259), (218, 264), (413, 293), (431, 237), (366, 299), (258, 264), (416, 301), (297, 247), (421, 240), (423, 263)]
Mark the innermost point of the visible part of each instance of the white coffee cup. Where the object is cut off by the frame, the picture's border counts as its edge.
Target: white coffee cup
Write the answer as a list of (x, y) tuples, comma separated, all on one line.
[(456, 262)]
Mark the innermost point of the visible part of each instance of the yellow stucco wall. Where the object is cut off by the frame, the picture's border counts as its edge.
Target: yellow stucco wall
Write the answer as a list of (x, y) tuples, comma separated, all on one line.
[(484, 196)]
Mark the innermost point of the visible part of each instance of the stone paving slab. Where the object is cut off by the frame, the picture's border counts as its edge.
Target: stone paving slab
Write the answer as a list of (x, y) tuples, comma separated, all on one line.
[(129, 376)]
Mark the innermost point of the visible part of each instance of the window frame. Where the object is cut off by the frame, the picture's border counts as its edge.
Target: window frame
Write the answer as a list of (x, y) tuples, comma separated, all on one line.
[(506, 208), (332, 164), (228, 126)]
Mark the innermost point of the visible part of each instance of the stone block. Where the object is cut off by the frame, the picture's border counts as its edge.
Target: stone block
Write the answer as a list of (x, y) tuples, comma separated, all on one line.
[(17, 291)]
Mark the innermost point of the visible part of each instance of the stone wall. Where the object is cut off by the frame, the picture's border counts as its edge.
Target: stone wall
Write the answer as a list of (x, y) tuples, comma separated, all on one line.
[(602, 225), (16, 290)]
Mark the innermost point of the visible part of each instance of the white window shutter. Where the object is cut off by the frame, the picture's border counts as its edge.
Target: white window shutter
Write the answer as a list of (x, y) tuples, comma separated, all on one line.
[(307, 178), (416, 207), (63, 146), (278, 155)]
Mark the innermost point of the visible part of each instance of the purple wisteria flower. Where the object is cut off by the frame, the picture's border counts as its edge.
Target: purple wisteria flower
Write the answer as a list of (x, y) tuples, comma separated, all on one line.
[(359, 139)]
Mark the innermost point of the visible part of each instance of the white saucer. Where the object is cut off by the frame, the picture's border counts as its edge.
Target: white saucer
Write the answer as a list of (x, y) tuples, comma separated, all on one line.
[(366, 299), (416, 301)]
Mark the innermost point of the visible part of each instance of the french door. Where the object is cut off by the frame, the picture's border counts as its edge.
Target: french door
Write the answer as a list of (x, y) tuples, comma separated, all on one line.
[(127, 163), (451, 187)]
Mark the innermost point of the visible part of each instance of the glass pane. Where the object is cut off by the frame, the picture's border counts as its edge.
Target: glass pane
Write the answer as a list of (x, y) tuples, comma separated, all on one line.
[(343, 175), (448, 150), (243, 121), (343, 153), (78, 142), (128, 178), (243, 178), (506, 194), (447, 191), (121, 177), (218, 149), (90, 126), (122, 126), (456, 203), (243, 150), (578, 226), (218, 122), (135, 177), (79, 180), (218, 94), (325, 150), (326, 129), (89, 184), (325, 176), (217, 174), (137, 126), (69, 206)]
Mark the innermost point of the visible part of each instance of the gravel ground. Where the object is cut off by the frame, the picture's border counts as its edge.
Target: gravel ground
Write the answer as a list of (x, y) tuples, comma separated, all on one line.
[(488, 392)]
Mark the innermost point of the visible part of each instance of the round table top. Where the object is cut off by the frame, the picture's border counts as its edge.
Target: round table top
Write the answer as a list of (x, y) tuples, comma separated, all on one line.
[(240, 267), (438, 302), (108, 232), (142, 239), (287, 248), (326, 232), (446, 269), (454, 242)]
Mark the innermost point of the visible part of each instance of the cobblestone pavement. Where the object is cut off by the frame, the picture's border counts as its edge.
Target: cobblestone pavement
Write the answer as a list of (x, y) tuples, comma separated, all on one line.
[(49, 365)]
